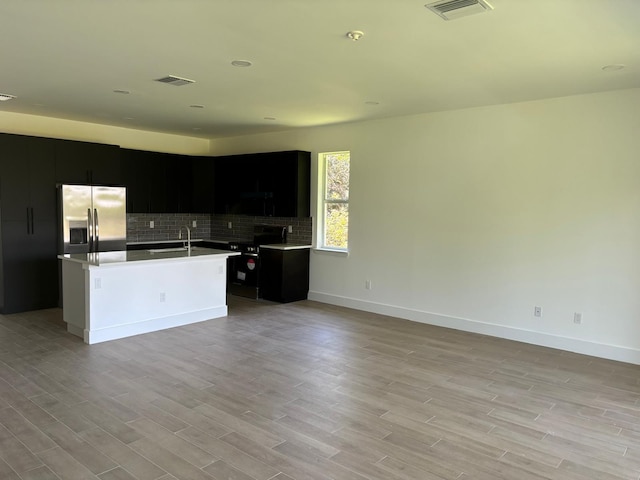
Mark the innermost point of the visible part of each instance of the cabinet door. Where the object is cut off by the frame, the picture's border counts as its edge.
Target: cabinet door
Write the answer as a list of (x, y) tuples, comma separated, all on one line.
[(203, 184), (29, 267), (42, 186), (14, 179), (106, 165), (73, 162), (178, 183), (88, 163), (136, 179), (27, 183), (284, 275), (228, 172), (156, 173)]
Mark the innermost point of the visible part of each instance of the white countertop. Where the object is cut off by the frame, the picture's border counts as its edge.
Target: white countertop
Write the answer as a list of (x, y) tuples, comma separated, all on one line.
[(122, 257), (285, 246)]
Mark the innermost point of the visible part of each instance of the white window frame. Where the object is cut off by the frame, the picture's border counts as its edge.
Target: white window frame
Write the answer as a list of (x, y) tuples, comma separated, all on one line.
[(323, 201)]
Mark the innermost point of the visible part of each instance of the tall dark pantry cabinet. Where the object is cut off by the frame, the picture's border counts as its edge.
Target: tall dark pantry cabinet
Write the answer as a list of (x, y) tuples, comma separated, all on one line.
[(28, 224)]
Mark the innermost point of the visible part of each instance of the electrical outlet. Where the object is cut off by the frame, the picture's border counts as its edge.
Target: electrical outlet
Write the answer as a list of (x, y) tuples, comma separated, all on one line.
[(163, 296), (194, 224), (367, 284), (577, 318), (152, 224), (97, 283), (229, 225), (537, 311), (290, 229)]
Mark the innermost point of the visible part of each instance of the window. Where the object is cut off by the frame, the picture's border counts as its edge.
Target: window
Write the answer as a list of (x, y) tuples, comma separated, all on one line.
[(334, 229)]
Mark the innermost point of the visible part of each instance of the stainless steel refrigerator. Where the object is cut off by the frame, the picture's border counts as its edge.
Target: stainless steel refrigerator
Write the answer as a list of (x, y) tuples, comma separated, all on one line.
[(93, 218)]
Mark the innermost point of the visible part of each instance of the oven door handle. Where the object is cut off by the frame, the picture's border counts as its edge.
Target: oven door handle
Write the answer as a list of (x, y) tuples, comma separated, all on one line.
[(249, 254)]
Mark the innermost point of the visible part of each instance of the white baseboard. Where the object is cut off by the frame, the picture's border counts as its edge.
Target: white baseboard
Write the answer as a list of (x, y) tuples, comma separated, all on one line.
[(127, 330), (611, 352)]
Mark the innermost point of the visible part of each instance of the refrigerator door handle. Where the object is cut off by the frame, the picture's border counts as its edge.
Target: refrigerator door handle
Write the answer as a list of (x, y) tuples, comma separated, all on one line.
[(28, 222), (33, 232), (90, 221), (97, 229)]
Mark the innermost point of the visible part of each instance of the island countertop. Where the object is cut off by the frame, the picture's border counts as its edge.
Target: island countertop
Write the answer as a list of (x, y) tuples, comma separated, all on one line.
[(285, 246), (127, 256)]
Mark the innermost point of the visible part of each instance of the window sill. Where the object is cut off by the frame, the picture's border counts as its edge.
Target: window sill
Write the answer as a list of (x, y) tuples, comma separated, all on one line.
[(331, 251)]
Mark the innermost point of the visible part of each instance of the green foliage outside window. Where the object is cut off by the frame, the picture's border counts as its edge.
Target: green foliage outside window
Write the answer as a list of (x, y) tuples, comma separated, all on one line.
[(336, 202)]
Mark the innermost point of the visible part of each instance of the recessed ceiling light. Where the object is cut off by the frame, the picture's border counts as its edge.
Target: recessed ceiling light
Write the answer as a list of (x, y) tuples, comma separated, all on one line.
[(129, 118), (269, 118), (355, 35), (123, 92), (5, 96), (613, 67), (371, 102), (196, 106), (241, 63)]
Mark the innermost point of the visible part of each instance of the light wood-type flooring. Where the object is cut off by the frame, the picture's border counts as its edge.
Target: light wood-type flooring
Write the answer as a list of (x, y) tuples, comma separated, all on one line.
[(308, 391)]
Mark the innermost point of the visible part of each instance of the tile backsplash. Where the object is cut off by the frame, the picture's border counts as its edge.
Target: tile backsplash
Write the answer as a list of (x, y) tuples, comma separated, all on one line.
[(167, 225), (242, 227)]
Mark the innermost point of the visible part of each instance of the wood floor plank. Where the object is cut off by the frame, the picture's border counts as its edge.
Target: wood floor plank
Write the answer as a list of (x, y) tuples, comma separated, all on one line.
[(82, 451), (175, 444), (122, 454), (40, 473), (236, 458), (32, 437), (65, 466), (168, 461), (15, 454)]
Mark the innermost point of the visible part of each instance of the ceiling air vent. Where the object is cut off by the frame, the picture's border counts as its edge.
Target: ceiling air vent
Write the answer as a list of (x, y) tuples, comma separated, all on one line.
[(453, 9), (5, 96), (175, 81)]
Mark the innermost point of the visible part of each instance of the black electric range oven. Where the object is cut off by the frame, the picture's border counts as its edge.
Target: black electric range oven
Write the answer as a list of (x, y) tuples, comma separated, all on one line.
[(243, 271)]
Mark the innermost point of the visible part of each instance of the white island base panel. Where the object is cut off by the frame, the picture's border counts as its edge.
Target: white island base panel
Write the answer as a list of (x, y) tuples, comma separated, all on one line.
[(107, 302)]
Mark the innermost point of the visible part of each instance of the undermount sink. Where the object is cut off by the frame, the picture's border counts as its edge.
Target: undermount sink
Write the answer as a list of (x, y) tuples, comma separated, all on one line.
[(174, 249), (171, 249)]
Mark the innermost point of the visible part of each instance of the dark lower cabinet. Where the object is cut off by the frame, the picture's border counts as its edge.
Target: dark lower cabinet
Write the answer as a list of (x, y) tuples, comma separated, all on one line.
[(284, 274), (28, 224)]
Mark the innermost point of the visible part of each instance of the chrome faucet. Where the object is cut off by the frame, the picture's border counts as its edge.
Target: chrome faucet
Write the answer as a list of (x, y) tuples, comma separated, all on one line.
[(188, 237)]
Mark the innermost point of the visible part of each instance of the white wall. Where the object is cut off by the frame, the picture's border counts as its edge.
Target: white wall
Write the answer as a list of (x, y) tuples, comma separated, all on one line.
[(92, 132), (471, 218)]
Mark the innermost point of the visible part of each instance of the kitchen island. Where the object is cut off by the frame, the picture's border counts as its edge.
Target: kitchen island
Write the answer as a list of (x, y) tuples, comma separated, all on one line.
[(110, 295)]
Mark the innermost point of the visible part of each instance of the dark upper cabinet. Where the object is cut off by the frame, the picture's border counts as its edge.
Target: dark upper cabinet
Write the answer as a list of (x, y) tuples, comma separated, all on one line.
[(27, 170), (88, 163), (264, 184), (203, 184), (179, 183), (234, 183), (157, 182), (28, 268)]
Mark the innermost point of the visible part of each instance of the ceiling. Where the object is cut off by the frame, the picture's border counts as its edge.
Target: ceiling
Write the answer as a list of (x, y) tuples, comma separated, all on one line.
[(65, 58)]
